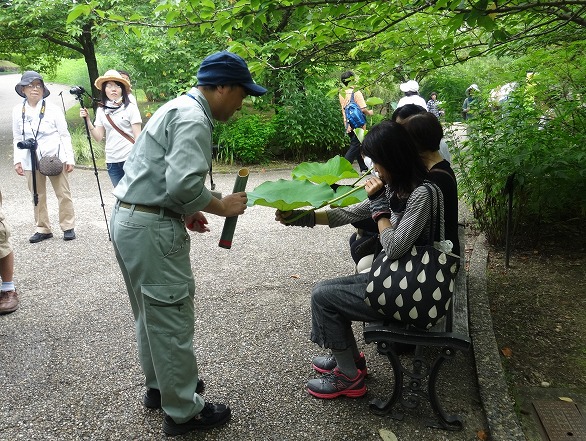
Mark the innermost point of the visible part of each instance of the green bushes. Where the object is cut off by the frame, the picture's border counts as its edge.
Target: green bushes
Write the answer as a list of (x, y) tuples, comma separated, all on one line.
[(81, 147), (308, 128), (538, 136), (244, 139)]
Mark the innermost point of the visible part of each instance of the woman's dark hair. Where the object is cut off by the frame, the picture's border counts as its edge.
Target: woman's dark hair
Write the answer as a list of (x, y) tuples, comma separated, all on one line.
[(425, 130), (104, 97), (346, 77), (389, 145), (406, 111)]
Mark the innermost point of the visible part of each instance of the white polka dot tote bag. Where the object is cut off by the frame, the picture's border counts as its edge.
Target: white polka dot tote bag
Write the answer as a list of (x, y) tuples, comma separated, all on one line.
[(417, 288)]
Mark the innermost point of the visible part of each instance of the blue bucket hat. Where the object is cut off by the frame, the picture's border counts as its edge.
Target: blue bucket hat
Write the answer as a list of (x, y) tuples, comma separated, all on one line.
[(27, 78), (225, 68)]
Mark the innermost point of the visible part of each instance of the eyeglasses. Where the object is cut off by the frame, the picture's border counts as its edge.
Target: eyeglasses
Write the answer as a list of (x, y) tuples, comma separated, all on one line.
[(34, 86)]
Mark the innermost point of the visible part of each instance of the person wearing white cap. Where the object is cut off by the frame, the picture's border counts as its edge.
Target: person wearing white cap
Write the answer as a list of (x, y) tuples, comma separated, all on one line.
[(411, 91), (467, 106), (118, 119), (43, 124)]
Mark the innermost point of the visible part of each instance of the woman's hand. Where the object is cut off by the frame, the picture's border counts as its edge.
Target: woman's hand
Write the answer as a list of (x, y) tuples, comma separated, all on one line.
[(307, 220), (83, 113), (68, 168), (19, 170), (379, 204), (373, 185)]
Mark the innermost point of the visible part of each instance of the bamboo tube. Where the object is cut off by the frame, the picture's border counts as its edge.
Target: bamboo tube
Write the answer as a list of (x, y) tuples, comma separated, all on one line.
[(230, 222)]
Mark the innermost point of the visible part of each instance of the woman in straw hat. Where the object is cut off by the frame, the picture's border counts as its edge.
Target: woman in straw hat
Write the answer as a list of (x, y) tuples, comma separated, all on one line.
[(116, 118), (41, 121)]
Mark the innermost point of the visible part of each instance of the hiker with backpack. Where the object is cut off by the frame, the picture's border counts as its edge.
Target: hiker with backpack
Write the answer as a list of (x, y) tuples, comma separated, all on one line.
[(354, 112)]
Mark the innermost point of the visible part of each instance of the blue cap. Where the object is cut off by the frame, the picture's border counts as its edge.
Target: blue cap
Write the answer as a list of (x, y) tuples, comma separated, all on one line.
[(225, 68)]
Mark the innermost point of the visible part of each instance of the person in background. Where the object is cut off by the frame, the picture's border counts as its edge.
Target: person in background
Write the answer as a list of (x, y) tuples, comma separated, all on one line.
[(353, 152), (402, 113), (433, 106), (45, 123), (161, 194), (411, 91), (468, 105), (116, 118), (8, 295)]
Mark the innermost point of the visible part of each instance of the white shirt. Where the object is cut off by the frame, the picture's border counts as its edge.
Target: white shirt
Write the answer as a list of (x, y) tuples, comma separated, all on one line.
[(117, 146), (52, 135), (413, 99)]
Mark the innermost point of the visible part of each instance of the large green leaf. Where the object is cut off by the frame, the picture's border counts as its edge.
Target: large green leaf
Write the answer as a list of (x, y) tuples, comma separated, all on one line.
[(287, 195), (329, 172), (353, 198)]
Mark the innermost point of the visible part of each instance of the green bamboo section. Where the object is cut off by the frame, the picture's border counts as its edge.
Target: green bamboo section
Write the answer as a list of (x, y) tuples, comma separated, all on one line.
[(230, 222)]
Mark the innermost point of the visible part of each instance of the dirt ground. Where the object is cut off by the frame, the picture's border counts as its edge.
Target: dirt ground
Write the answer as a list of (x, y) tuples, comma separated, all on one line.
[(538, 309)]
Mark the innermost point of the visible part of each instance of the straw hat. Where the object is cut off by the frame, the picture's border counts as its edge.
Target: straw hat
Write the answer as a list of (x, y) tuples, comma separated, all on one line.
[(112, 75)]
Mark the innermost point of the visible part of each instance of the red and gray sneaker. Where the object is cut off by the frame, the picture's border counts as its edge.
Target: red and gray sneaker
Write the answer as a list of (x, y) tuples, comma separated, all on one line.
[(335, 384), (327, 363)]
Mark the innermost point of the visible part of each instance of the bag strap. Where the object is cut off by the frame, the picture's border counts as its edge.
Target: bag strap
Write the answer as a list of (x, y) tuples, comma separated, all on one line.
[(436, 207), (441, 170), (126, 135)]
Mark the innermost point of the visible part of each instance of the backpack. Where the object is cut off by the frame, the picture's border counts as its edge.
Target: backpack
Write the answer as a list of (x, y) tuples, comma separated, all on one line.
[(354, 116)]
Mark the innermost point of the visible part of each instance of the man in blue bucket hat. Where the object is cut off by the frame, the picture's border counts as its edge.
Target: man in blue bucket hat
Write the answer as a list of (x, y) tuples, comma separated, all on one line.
[(161, 195)]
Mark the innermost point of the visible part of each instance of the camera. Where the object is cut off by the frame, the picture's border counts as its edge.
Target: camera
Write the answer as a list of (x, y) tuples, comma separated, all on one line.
[(77, 90), (27, 144)]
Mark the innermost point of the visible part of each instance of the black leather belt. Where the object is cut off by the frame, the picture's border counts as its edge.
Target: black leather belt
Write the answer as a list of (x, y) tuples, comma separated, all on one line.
[(151, 209)]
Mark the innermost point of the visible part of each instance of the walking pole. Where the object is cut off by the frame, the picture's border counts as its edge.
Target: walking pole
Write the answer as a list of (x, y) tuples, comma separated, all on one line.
[(78, 91), (62, 101)]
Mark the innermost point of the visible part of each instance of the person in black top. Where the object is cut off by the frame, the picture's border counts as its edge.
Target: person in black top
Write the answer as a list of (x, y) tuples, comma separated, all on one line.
[(426, 132)]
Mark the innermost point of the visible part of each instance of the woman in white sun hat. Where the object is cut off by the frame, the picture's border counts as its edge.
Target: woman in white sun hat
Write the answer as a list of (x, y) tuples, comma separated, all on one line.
[(118, 119), (39, 130), (411, 91)]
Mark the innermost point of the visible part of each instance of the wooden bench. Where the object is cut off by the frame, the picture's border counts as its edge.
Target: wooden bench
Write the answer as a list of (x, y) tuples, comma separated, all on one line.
[(450, 335)]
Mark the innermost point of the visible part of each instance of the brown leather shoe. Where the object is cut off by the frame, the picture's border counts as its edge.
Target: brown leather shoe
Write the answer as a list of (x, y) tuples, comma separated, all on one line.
[(8, 302)]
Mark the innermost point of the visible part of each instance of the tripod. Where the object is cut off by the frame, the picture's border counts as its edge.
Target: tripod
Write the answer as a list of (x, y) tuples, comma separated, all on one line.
[(79, 97)]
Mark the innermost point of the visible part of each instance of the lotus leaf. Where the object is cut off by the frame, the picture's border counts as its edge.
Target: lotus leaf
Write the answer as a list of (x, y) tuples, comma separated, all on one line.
[(288, 195), (353, 198), (329, 172)]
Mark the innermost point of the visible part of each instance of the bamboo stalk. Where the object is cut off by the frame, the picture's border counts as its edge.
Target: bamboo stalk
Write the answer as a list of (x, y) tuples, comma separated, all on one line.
[(230, 222)]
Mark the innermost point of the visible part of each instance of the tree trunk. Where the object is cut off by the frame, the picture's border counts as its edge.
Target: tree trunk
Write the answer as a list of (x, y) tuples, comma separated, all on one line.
[(89, 54)]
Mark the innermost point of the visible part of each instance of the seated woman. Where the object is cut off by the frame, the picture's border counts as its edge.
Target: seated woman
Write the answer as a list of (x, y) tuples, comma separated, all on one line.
[(400, 205), (426, 132)]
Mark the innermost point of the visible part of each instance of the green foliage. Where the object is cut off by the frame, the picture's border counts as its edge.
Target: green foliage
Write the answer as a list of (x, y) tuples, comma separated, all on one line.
[(537, 136), (451, 83), (244, 139), (81, 147), (311, 186), (287, 195), (309, 126), (164, 66)]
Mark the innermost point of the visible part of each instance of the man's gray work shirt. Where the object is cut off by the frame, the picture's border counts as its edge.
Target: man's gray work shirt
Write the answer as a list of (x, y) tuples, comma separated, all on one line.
[(170, 160)]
